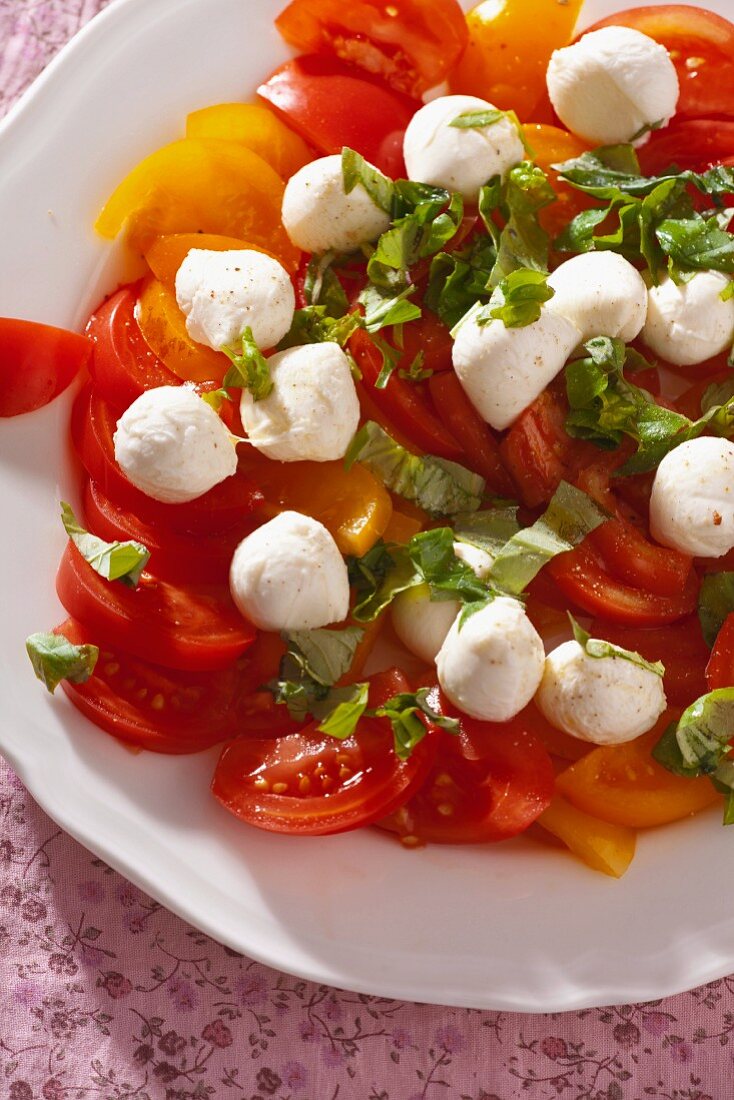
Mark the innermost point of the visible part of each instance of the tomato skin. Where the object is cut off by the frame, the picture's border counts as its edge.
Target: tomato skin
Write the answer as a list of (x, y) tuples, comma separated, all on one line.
[(255, 126), (461, 418), (690, 143), (411, 44), (122, 365), (195, 628), (93, 423), (332, 105), (680, 646), (37, 363), (403, 404), (720, 669), (377, 783), (551, 145), (582, 578), (701, 45)]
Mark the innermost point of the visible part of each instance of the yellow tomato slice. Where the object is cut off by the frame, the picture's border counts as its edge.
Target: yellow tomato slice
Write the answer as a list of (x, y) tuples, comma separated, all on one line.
[(551, 145), (510, 43), (197, 186), (604, 847), (622, 784), (163, 326), (256, 127), (167, 253)]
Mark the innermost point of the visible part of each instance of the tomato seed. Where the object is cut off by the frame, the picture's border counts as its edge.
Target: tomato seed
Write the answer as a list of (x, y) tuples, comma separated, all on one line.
[(280, 788)]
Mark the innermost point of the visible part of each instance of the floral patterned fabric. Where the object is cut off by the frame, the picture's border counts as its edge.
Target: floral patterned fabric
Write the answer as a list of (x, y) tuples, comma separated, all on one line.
[(104, 994)]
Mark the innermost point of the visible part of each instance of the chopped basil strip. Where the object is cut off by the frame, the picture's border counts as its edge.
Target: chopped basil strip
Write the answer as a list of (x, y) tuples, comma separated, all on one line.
[(522, 242), (215, 398), (249, 369), (614, 169), (115, 561), (348, 704), (378, 577), (356, 170), (321, 287), (424, 219), (698, 744), (416, 372), (313, 325), (383, 307), (478, 119), (697, 243), (448, 577), (490, 529), (314, 662), (405, 712), (598, 648), (434, 484), (458, 280), (518, 299), (55, 658), (571, 515), (715, 603)]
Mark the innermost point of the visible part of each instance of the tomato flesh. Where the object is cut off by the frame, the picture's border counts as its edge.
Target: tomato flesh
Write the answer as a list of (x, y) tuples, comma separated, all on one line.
[(680, 646), (479, 445), (310, 784), (37, 363)]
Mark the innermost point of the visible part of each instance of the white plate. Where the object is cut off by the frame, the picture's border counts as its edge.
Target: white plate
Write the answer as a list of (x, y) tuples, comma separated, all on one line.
[(511, 927)]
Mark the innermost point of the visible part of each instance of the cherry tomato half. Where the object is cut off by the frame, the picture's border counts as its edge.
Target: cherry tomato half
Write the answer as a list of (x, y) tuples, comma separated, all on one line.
[(37, 363), (479, 445), (680, 646)]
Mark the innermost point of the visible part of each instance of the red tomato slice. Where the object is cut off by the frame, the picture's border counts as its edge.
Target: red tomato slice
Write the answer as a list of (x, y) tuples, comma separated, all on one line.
[(332, 105), (461, 418), (195, 628), (37, 363), (690, 143), (489, 783), (679, 646), (310, 784), (411, 44), (180, 558), (403, 404), (701, 45), (123, 366), (720, 669), (581, 577), (93, 424)]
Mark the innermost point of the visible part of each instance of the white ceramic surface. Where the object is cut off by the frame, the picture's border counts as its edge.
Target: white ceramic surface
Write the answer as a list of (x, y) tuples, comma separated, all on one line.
[(512, 927)]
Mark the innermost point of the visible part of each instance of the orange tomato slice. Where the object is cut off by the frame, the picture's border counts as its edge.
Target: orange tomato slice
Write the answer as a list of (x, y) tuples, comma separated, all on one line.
[(256, 127), (510, 43), (167, 253), (198, 186), (551, 145), (603, 847), (164, 330)]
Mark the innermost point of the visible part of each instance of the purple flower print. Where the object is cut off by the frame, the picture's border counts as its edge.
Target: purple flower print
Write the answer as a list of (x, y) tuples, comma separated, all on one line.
[(332, 1055), (218, 1034), (183, 994), (307, 1031), (53, 1089), (251, 989), (172, 1043), (268, 1081), (11, 896), (681, 1052), (116, 985), (165, 1072), (294, 1076), (627, 1034), (401, 1039), (7, 851), (34, 910), (21, 1090), (655, 1022), (450, 1039), (62, 965), (332, 1009), (127, 895), (554, 1048), (91, 892), (28, 994), (143, 1054)]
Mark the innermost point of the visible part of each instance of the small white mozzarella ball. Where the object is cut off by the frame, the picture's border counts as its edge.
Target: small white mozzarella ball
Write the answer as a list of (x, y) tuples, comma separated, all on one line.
[(600, 293), (692, 499), (491, 666), (319, 216), (688, 323), (173, 446), (504, 369), (312, 412), (605, 700), (611, 84), (289, 575), (223, 293), (456, 158), (421, 623)]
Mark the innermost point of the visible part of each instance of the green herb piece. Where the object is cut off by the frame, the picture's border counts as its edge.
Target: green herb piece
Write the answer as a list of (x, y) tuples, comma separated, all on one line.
[(55, 658), (425, 219), (391, 356), (115, 561), (406, 712), (517, 301), (313, 325), (348, 705), (697, 243), (522, 242), (571, 515), (448, 577), (434, 484), (416, 371), (610, 170), (378, 577), (356, 170), (478, 119), (383, 307), (321, 286), (698, 744), (458, 280), (215, 398), (489, 530), (314, 662), (715, 604), (249, 369), (599, 649)]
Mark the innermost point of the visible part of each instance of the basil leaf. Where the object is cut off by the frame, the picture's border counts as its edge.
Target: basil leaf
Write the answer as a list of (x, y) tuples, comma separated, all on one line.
[(518, 299), (699, 742), (522, 242), (347, 704), (458, 280), (378, 577), (416, 371), (356, 170), (55, 658), (715, 603), (249, 369), (115, 561), (215, 398), (615, 169), (489, 530), (323, 655), (434, 484), (697, 243), (448, 577), (571, 515), (478, 120), (313, 325), (321, 286), (384, 307), (405, 712), (425, 219), (599, 649)]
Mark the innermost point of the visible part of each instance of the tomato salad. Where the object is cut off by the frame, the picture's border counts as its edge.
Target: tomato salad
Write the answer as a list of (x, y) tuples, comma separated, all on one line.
[(431, 343)]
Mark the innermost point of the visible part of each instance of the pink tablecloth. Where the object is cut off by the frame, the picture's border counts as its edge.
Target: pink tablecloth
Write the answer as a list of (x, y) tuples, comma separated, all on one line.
[(105, 994)]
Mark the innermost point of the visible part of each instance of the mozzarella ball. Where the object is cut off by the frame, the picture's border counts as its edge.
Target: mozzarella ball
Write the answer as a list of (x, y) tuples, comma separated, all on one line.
[(491, 666), (605, 700), (688, 322), (600, 293), (456, 158), (611, 84), (173, 446), (421, 623), (312, 411), (223, 293), (692, 499), (504, 369), (319, 216), (289, 575)]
